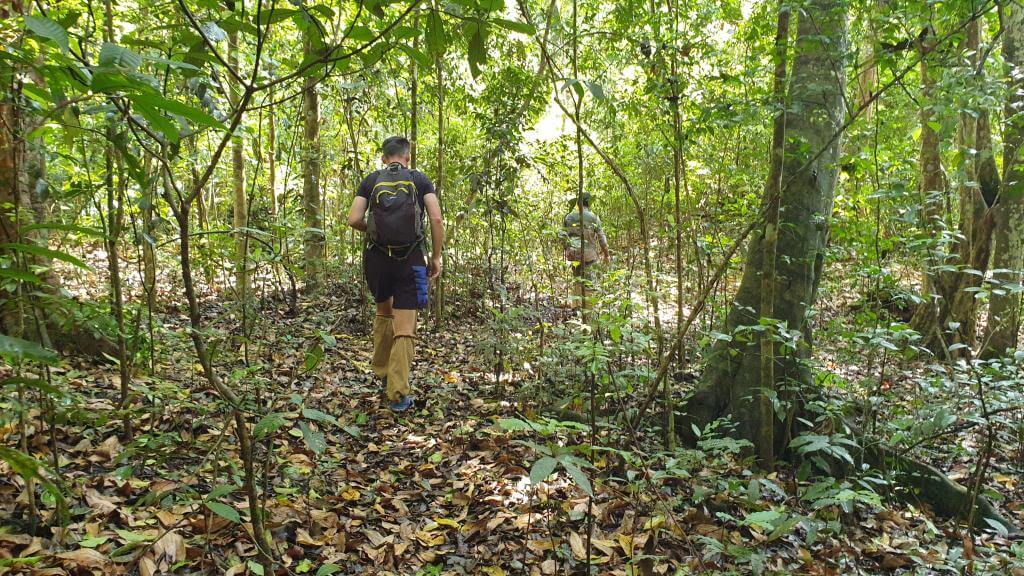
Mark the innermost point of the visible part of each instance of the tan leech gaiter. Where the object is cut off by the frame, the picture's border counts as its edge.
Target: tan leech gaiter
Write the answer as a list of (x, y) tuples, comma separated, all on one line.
[(383, 337), (399, 366)]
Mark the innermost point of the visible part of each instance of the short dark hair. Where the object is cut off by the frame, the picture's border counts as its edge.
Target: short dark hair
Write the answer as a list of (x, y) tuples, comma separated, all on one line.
[(396, 146), (585, 199)]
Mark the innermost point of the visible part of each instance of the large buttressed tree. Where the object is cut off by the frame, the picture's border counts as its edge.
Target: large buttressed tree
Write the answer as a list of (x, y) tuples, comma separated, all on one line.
[(731, 381), (1004, 320)]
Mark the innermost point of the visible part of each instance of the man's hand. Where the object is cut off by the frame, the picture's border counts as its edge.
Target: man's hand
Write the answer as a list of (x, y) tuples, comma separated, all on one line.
[(435, 266)]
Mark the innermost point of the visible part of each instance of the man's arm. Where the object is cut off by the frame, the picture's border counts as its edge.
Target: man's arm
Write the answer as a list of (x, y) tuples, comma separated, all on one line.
[(357, 214), (436, 232)]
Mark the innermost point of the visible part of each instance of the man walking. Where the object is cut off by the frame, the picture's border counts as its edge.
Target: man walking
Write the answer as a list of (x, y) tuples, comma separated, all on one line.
[(583, 237), (389, 208)]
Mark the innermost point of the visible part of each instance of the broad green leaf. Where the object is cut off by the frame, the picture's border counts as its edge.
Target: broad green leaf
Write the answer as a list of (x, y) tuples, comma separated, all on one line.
[(133, 537), (521, 27), (48, 29), (110, 81), (513, 424), (255, 567), (328, 569), (158, 122), (314, 439), (220, 492), (174, 107), (29, 468), (319, 416), (314, 355), (541, 469), (477, 50), (276, 15), (36, 383), (421, 59), (268, 425), (170, 63), (225, 511), (578, 476), (44, 253), (93, 542), (15, 350), (213, 32), (20, 276), (764, 519), (596, 90), (119, 57), (435, 35), (361, 34)]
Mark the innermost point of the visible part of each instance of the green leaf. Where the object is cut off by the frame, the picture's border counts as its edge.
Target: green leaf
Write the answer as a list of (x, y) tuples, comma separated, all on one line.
[(119, 57), (133, 537), (48, 29), (521, 27), (763, 519), (361, 34), (328, 569), (93, 232), (93, 542), (319, 416), (220, 492), (255, 567), (314, 439), (541, 469), (314, 355), (418, 56), (159, 122), (16, 350), (224, 511), (578, 476), (513, 424), (28, 467), (276, 15), (20, 276), (174, 107), (36, 383), (435, 35), (477, 49), (44, 253), (170, 63), (268, 425), (596, 90)]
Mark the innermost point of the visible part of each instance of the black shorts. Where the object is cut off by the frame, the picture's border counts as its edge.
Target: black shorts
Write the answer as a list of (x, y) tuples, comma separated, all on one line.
[(404, 280)]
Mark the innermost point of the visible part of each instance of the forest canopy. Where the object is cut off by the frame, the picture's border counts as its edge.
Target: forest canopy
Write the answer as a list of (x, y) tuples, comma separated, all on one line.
[(693, 287)]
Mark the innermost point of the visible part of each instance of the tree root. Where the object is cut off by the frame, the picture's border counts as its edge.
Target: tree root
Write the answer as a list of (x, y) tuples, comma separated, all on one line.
[(925, 484)]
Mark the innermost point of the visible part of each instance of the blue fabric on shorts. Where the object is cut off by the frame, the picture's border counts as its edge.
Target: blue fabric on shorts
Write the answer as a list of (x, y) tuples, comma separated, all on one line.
[(420, 275)]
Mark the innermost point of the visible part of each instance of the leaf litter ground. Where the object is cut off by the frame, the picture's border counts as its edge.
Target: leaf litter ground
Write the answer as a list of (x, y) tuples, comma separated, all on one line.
[(354, 489)]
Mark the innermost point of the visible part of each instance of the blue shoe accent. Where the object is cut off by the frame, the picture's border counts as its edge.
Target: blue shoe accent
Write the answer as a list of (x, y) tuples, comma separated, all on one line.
[(403, 404)]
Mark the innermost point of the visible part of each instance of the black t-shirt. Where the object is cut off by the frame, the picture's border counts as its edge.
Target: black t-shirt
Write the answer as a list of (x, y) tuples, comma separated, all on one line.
[(423, 186)]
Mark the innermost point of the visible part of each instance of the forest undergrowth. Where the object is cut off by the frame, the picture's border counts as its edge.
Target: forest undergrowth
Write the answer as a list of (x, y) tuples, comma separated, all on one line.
[(490, 474)]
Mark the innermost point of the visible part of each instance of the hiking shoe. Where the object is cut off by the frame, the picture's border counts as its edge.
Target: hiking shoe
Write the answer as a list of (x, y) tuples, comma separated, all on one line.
[(403, 404)]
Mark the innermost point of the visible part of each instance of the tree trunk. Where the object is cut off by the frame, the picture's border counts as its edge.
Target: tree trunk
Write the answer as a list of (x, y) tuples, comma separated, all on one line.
[(728, 386), (932, 187), (241, 206), (22, 174), (1003, 327), (313, 239), (438, 299), (272, 154), (764, 444)]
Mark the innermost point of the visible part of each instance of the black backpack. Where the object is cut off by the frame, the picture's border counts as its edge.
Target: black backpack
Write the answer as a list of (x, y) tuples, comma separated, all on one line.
[(395, 221)]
